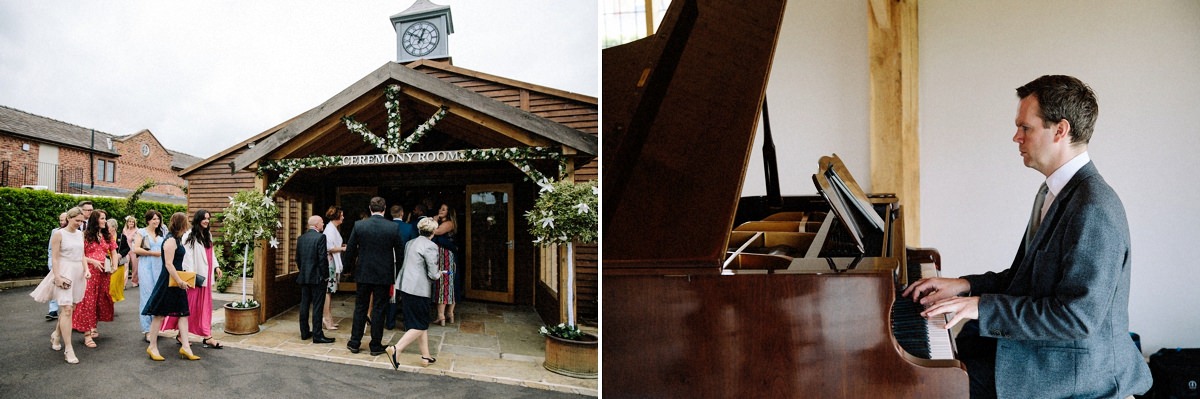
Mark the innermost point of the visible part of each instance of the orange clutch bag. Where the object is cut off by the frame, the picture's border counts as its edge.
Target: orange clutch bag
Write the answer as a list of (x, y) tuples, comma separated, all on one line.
[(189, 277)]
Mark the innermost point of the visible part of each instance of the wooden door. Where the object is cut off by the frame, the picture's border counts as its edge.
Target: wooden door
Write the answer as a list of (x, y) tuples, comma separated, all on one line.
[(489, 236)]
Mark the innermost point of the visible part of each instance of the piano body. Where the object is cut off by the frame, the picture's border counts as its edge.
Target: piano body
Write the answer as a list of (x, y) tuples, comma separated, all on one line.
[(707, 294)]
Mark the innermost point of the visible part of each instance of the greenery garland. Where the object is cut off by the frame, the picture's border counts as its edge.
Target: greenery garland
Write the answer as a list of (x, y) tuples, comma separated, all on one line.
[(391, 142), (289, 167), (520, 157)]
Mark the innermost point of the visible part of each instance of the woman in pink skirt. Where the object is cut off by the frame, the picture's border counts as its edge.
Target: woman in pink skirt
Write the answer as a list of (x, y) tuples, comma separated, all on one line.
[(199, 259), (99, 246), (66, 281)]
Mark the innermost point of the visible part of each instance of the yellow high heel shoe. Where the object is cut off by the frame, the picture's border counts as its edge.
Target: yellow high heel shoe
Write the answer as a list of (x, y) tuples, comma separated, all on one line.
[(183, 354), (154, 357)]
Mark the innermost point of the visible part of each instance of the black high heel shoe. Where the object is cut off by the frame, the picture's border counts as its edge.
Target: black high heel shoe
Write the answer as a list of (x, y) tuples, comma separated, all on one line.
[(426, 361)]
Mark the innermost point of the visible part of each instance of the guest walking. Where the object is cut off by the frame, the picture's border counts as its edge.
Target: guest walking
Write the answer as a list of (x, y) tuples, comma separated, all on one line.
[(199, 259), (313, 258), (98, 248), (407, 232), (150, 263), (420, 269), (376, 245), (66, 281), (444, 292), (116, 282), (52, 313), (129, 235), (166, 300), (335, 247)]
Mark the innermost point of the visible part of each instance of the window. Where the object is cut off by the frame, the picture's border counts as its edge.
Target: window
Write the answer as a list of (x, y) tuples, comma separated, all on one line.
[(626, 20), (106, 170), (549, 275)]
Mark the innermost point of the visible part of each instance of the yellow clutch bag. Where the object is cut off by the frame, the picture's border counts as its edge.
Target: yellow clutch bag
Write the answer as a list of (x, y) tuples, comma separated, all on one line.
[(189, 277)]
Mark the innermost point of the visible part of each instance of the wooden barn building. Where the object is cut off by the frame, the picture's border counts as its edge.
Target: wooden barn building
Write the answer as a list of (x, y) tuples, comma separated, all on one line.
[(498, 259)]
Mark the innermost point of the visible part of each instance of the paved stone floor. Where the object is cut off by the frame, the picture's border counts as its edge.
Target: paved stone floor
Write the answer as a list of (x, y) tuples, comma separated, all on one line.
[(488, 342)]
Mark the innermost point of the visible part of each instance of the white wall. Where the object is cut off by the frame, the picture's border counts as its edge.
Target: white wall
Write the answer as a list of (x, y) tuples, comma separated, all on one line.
[(1141, 58), (816, 96)]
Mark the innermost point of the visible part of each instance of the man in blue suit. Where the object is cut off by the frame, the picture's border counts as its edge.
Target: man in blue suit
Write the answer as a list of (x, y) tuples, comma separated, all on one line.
[(376, 245), (1056, 322)]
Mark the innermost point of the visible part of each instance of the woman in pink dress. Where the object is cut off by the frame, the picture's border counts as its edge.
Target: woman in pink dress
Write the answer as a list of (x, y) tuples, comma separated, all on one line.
[(66, 281), (97, 305), (199, 259)]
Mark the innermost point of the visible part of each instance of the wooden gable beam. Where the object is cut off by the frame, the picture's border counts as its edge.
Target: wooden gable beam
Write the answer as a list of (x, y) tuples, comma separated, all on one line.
[(895, 148), (466, 112), (317, 131)]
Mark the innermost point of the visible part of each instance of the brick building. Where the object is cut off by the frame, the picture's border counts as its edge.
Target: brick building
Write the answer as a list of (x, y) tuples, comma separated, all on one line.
[(40, 152)]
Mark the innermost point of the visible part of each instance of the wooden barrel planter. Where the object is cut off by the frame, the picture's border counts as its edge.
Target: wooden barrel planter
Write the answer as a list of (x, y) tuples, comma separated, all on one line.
[(241, 321), (572, 358)]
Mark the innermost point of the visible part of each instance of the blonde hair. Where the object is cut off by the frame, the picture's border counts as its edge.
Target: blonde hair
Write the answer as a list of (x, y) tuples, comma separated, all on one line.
[(73, 212), (426, 226)]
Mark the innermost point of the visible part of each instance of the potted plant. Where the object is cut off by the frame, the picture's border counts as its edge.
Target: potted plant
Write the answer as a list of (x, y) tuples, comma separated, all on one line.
[(570, 352), (250, 219), (566, 213)]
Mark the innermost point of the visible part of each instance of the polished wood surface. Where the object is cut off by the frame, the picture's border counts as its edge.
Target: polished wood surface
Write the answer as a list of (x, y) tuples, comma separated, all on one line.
[(782, 305), (680, 108)]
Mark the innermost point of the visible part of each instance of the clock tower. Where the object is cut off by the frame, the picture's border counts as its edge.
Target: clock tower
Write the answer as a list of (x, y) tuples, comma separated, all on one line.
[(423, 31)]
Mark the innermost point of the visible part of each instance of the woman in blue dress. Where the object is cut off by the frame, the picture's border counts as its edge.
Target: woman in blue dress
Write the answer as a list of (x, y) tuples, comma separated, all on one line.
[(148, 249)]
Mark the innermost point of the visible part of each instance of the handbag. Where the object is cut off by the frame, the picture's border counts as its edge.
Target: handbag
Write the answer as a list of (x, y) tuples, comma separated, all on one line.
[(188, 277)]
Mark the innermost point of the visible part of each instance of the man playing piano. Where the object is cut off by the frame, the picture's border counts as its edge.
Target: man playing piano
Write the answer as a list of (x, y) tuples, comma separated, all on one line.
[(1056, 322)]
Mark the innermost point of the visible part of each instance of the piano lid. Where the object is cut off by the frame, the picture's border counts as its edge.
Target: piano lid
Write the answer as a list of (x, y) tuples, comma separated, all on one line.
[(680, 112)]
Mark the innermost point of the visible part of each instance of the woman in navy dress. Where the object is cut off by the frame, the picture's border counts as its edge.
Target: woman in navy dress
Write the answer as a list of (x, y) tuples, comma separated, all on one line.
[(167, 300)]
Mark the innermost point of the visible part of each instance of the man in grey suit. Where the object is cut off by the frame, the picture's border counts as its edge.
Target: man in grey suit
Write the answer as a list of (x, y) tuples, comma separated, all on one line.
[(375, 242), (311, 257), (1056, 322)]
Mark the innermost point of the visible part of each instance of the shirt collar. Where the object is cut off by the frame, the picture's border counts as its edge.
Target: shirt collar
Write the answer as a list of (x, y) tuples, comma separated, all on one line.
[(1060, 177)]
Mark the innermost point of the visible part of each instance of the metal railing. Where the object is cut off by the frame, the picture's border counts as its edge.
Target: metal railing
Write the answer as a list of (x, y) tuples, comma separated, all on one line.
[(42, 174)]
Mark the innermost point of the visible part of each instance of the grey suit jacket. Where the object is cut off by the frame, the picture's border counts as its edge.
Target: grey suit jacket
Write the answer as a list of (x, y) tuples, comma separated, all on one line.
[(376, 242), (420, 267), (1060, 313), (311, 258)]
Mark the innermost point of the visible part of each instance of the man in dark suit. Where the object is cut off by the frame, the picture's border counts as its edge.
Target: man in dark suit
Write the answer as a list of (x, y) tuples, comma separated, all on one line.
[(311, 257), (1056, 322), (376, 244), (407, 232)]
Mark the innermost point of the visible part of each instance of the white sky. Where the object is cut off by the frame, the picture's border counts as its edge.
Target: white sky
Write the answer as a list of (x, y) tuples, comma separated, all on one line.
[(205, 75)]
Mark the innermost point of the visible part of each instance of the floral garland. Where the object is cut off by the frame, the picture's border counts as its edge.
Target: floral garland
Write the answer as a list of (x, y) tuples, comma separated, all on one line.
[(391, 142), (519, 157), (565, 212), (289, 167)]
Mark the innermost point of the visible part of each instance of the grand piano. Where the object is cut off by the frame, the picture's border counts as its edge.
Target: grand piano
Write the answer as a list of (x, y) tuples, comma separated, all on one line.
[(709, 294)]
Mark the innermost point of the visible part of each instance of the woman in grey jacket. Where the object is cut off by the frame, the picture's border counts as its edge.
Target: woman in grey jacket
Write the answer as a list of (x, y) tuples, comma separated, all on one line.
[(419, 270)]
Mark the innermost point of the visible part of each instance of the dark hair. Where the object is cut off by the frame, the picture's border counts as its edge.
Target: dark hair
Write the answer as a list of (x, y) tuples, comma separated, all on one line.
[(150, 214), (1064, 97), (178, 224), (94, 230), (378, 204), (200, 233), (84, 202), (333, 213)]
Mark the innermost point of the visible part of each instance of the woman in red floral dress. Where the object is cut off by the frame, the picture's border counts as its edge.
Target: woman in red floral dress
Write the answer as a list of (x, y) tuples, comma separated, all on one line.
[(97, 305)]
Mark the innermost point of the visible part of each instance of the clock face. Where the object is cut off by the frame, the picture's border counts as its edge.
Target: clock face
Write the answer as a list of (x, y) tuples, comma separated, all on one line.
[(420, 38)]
